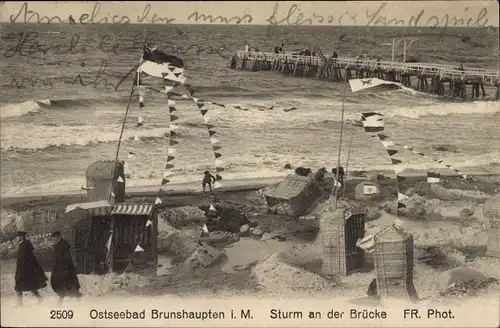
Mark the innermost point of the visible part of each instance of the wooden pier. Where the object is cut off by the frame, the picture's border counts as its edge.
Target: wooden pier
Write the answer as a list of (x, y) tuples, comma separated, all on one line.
[(444, 80)]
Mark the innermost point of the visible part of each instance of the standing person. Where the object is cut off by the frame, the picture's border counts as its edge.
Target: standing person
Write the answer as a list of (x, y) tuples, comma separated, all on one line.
[(63, 279), (29, 273), (208, 179)]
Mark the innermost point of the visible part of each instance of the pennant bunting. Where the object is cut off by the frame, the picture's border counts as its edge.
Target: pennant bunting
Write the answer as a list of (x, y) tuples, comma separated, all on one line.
[(138, 248), (212, 208), (374, 122), (148, 223), (158, 201), (120, 179), (205, 229)]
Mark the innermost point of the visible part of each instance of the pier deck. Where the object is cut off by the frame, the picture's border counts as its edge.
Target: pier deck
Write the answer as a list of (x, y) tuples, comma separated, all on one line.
[(429, 77)]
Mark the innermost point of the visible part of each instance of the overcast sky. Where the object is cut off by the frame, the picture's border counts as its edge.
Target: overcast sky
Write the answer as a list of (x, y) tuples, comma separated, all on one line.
[(374, 13)]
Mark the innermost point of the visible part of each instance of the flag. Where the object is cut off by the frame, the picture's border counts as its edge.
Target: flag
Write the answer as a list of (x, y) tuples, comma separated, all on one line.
[(373, 122), (156, 68), (433, 177), (362, 84)]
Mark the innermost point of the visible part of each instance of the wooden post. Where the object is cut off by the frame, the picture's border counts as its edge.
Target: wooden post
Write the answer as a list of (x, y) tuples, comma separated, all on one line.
[(404, 50), (393, 50)]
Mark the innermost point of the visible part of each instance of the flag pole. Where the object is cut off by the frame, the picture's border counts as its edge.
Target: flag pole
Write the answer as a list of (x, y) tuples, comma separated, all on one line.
[(340, 142), (122, 130)]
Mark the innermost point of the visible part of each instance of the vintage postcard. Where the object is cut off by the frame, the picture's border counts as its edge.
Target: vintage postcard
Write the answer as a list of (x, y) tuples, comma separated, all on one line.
[(258, 164)]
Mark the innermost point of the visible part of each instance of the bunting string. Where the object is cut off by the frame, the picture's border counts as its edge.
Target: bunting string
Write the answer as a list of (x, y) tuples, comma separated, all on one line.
[(374, 123), (218, 163)]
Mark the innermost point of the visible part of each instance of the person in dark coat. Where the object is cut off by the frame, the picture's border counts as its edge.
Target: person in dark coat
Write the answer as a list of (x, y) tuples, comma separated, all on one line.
[(63, 279), (208, 179), (29, 273)]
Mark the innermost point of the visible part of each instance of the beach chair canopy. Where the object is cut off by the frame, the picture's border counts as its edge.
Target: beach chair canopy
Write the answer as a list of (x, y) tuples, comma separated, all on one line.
[(297, 191)]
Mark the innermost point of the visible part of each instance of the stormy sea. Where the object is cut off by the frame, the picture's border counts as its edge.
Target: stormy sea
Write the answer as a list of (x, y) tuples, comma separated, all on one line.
[(65, 88)]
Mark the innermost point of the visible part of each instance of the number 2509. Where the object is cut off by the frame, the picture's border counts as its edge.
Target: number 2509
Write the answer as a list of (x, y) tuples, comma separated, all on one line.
[(61, 314)]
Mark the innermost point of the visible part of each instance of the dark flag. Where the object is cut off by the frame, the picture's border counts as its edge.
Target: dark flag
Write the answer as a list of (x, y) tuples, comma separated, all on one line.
[(157, 68)]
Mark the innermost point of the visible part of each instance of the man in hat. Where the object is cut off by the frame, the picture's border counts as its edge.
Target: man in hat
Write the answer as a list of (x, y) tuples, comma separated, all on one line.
[(208, 179), (29, 273), (63, 279)]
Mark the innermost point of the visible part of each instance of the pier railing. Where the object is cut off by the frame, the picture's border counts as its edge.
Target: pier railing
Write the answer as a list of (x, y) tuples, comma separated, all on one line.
[(490, 77)]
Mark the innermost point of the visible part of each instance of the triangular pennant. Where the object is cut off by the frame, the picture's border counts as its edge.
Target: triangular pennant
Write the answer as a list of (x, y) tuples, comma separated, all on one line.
[(170, 158), (177, 74), (212, 208), (170, 102), (173, 142), (170, 68), (401, 205), (387, 144), (138, 248), (112, 194), (215, 148), (218, 177), (206, 118), (158, 201), (218, 162), (392, 152), (120, 179), (148, 223), (171, 151), (382, 136), (210, 126), (447, 165), (211, 133), (214, 141), (402, 196), (169, 166), (205, 229), (200, 106), (173, 118), (396, 161), (217, 155), (196, 99), (164, 181), (219, 169), (173, 134), (172, 109), (203, 111)]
